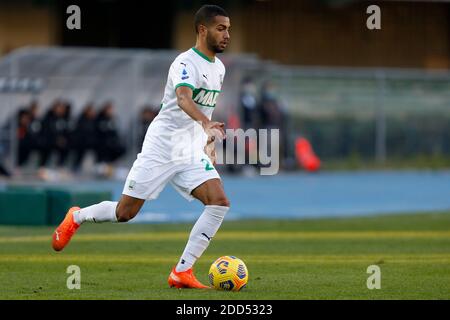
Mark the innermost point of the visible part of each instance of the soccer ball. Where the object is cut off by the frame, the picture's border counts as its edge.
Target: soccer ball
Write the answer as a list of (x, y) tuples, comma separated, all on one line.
[(228, 273)]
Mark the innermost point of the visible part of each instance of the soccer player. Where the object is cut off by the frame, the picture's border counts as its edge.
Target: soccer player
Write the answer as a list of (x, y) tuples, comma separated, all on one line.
[(193, 84)]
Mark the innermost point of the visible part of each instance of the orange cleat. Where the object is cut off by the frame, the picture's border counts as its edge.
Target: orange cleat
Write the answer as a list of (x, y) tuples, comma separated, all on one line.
[(185, 279), (65, 230)]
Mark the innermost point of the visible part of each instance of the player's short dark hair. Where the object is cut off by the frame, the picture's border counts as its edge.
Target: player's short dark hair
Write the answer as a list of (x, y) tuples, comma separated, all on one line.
[(206, 14)]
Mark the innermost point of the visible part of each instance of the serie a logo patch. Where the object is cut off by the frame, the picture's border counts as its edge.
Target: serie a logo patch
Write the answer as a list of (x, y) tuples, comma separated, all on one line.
[(184, 75)]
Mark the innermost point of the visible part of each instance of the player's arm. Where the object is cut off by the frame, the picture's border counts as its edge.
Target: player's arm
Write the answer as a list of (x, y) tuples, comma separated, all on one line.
[(185, 102)]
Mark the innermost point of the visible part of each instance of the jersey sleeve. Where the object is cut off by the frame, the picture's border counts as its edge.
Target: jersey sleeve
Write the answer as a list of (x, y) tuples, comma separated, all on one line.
[(183, 73)]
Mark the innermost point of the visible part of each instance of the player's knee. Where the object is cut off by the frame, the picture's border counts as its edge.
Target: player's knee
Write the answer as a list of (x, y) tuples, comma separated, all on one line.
[(219, 201), (125, 214)]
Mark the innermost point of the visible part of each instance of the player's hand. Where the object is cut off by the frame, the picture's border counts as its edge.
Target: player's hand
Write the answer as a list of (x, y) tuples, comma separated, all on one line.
[(215, 129)]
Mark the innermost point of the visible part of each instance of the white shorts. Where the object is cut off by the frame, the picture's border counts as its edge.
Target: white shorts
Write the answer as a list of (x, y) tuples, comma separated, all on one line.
[(150, 174)]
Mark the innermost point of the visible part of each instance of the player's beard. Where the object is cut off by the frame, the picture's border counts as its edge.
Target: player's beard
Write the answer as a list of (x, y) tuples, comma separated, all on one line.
[(212, 44)]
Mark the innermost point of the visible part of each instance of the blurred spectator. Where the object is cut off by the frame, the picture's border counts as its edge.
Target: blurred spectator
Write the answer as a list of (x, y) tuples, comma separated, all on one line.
[(35, 126), (55, 133), (4, 171), (109, 146), (23, 136), (29, 136), (273, 115), (84, 137), (3, 146), (248, 116), (147, 115), (248, 104), (270, 110)]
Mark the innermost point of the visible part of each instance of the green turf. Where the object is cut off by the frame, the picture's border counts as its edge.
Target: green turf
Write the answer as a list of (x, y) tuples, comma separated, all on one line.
[(308, 259)]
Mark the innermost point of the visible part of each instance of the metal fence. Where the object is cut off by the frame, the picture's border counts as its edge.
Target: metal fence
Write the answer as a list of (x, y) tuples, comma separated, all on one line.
[(134, 78), (386, 100)]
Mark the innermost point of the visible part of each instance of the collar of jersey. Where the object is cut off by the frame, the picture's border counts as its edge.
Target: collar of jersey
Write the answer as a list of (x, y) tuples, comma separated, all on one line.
[(204, 56)]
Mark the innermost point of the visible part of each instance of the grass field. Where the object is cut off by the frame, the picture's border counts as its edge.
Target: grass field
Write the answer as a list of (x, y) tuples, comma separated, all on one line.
[(309, 259)]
